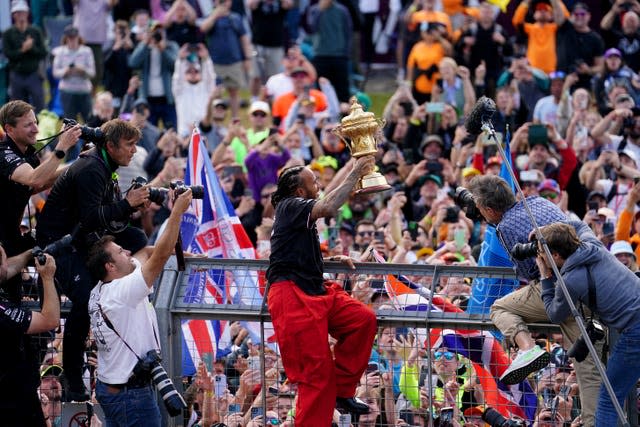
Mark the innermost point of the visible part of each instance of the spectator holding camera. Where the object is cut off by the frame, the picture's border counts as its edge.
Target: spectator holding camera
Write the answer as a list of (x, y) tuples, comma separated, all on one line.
[(19, 373), (193, 80), (86, 202), (497, 204), (597, 281), (125, 324), (21, 172), (155, 56)]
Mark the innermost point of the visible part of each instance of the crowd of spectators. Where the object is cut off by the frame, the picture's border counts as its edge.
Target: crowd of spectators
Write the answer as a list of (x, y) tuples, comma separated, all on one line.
[(267, 81)]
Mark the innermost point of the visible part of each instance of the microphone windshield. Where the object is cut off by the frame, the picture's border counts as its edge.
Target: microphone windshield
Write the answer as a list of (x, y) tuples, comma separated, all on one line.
[(482, 113)]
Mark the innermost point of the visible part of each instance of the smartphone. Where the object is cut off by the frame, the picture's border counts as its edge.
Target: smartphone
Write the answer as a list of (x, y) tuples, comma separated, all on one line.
[(564, 391), (344, 420), (412, 227), (207, 359), (273, 131), (434, 167), (248, 192), (608, 228), (407, 416), (333, 237), (434, 107), (234, 408), (453, 215), (373, 367), (446, 416), (528, 176), (593, 206), (537, 135), (219, 384), (379, 236), (273, 391), (232, 170), (300, 118), (256, 412), (459, 238)]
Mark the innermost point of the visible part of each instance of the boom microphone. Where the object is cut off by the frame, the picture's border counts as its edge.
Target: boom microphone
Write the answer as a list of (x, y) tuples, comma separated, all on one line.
[(480, 115)]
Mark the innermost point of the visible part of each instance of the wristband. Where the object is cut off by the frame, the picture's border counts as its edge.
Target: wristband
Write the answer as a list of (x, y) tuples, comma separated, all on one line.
[(59, 154)]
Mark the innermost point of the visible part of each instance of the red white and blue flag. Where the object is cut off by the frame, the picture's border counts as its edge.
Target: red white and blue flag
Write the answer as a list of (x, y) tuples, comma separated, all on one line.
[(211, 227), (485, 352)]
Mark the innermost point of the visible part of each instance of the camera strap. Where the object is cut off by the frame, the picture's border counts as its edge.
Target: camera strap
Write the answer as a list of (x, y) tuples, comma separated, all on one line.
[(592, 294), (110, 326)]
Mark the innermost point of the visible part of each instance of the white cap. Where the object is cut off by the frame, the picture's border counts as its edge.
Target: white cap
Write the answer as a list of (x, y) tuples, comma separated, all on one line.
[(607, 212), (19, 6), (259, 106), (622, 247), (630, 154)]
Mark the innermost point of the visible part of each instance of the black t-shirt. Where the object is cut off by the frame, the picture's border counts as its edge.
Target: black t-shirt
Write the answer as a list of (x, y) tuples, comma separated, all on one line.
[(15, 195), (573, 46), (268, 24), (183, 33), (295, 248)]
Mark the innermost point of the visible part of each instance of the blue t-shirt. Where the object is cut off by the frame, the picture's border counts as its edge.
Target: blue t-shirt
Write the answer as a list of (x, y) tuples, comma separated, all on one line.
[(223, 40)]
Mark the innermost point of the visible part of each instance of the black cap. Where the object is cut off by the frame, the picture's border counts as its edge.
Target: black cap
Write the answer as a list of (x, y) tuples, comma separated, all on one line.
[(595, 194), (139, 102), (70, 31)]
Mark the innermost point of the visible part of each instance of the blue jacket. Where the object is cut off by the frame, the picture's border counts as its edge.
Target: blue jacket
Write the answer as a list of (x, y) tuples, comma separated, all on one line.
[(617, 287), (140, 58)]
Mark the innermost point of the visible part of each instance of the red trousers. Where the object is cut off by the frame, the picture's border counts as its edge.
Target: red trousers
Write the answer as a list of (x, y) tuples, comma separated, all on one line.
[(302, 324)]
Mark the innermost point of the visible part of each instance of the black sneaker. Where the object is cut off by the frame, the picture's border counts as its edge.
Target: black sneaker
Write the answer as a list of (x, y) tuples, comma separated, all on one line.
[(352, 405)]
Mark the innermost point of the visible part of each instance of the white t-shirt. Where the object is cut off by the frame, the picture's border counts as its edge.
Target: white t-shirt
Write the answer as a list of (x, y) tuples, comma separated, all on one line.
[(125, 302), (279, 84)]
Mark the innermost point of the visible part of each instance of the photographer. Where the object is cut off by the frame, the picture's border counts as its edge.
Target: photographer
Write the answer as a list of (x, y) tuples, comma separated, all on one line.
[(19, 364), (596, 280), (124, 322), (21, 173), (497, 204), (86, 202)]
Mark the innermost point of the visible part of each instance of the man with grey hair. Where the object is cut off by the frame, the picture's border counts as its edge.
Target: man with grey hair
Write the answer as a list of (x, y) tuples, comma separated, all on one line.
[(497, 204)]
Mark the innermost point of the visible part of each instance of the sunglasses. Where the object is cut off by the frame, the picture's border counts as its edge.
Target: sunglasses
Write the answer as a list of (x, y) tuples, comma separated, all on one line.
[(365, 233), (259, 114), (548, 195), (447, 355), (580, 14), (273, 421)]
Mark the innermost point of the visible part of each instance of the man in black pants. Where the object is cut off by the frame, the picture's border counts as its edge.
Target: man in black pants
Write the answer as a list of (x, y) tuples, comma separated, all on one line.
[(86, 202), (305, 308)]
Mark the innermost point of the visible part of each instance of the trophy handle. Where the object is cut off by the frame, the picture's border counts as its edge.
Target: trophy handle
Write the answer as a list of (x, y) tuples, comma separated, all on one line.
[(337, 132)]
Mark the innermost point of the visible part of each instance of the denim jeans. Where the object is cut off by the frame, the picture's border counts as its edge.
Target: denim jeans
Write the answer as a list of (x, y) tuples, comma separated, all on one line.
[(623, 371), (129, 407)]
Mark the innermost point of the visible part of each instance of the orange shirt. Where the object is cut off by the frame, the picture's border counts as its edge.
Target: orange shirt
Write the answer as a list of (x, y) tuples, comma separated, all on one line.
[(421, 57), (541, 47), (429, 16), (282, 103)]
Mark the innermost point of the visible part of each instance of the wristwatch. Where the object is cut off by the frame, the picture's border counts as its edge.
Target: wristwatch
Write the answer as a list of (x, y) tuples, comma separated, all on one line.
[(60, 154)]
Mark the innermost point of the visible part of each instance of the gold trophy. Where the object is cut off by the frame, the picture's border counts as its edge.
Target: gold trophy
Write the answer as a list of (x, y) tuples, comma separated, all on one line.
[(358, 131)]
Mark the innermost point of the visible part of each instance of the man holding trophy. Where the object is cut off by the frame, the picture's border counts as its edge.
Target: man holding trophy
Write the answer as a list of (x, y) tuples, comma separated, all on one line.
[(305, 308)]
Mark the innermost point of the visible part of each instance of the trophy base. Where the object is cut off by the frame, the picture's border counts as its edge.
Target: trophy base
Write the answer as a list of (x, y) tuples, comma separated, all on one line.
[(372, 183)]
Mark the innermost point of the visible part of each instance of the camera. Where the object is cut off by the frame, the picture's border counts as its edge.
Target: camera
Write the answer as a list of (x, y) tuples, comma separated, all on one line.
[(156, 195), (629, 122), (149, 367), (452, 215), (178, 187), (522, 251), (464, 199), (579, 349), (54, 249), (89, 134), (495, 419), (157, 36)]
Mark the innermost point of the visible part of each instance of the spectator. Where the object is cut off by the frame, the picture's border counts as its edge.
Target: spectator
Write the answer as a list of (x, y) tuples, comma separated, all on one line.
[(615, 73), (73, 65), (90, 18), (578, 48), (280, 83), (212, 125), (330, 26), (24, 46), (140, 119), (268, 38), (541, 34), (422, 64), (230, 49), (625, 37), (193, 82), (455, 87), (263, 163), (301, 90), (530, 84), (623, 251), (180, 22), (546, 109), (156, 57), (118, 73), (628, 228)]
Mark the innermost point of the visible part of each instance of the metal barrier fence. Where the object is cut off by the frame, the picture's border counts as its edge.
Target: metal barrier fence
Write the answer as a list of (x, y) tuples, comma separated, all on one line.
[(179, 298), (406, 379)]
